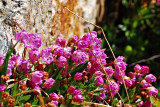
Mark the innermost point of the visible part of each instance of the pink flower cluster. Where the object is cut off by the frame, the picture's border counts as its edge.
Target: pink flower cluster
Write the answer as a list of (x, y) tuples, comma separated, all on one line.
[(77, 94)]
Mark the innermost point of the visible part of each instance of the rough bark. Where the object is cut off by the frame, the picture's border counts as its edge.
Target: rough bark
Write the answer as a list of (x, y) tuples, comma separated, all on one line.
[(48, 17)]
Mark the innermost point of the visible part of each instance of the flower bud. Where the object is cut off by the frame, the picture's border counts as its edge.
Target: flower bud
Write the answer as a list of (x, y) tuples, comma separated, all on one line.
[(11, 102), (71, 89), (27, 104), (78, 76), (46, 75), (23, 86), (5, 95)]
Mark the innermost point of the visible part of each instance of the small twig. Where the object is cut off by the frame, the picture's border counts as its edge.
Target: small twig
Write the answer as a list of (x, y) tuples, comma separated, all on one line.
[(90, 103), (144, 60), (108, 45)]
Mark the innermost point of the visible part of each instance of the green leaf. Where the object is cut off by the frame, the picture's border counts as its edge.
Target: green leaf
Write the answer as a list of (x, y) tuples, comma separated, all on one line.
[(3, 70), (14, 89), (25, 98), (79, 68), (35, 102)]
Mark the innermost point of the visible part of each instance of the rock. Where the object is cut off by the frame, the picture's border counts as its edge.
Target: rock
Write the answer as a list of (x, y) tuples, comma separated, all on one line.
[(48, 17)]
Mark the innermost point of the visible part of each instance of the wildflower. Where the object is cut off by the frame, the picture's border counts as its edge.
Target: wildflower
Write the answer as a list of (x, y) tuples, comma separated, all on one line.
[(101, 96), (77, 92), (53, 96), (47, 55), (22, 34), (150, 78), (60, 97), (71, 89), (48, 83), (109, 71), (24, 66), (60, 41), (32, 40), (148, 103), (37, 77), (61, 61), (54, 102), (128, 81), (144, 70), (34, 55), (64, 72), (2, 87), (99, 81), (152, 90), (67, 52), (74, 39), (113, 86), (37, 88), (78, 76), (137, 68), (79, 57), (59, 51), (131, 75), (78, 98), (144, 83), (99, 73)]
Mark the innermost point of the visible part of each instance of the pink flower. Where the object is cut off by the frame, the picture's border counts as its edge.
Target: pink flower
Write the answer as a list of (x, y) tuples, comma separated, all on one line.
[(15, 61), (38, 88), (137, 68), (150, 78), (2, 87), (71, 89), (59, 51), (24, 66), (48, 83), (113, 86), (131, 75), (152, 91), (144, 70), (47, 55), (144, 83), (79, 57), (99, 73), (77, 92), (67, 52), (34, 55), (78, 98), (99, 81), (158, 1), (101, 96), (120, 58), (32, 40), (74, 39), (148, 103), (37, 77), (78, 76), (22, 34), (64, 72), (54, 102), (60, 41), (128, 81), (60, 98), (61, 61), (109, 71), (53, 96)]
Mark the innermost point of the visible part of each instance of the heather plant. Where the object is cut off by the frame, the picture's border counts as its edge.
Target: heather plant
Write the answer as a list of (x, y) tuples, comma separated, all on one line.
[(73, 73)]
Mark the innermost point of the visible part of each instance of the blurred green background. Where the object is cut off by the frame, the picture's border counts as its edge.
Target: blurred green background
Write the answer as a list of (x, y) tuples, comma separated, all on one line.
[(132, 27)]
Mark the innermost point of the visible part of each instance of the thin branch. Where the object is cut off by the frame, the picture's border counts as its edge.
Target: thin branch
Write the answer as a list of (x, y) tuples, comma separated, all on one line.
[(144, 60), (108, 45)]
